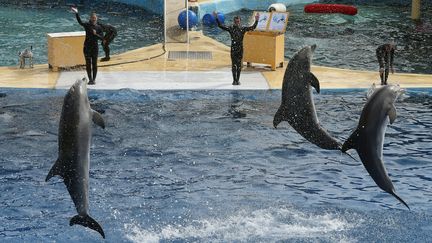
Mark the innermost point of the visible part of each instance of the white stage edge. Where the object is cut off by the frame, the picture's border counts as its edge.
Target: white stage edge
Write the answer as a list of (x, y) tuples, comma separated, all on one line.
[(167, 80)]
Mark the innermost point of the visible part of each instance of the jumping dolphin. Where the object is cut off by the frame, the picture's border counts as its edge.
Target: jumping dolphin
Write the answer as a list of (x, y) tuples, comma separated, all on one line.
[(297, 107), (368, 138), (74, 151)]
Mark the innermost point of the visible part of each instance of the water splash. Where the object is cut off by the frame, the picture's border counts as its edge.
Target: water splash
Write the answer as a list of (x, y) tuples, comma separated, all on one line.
[(267, 224)]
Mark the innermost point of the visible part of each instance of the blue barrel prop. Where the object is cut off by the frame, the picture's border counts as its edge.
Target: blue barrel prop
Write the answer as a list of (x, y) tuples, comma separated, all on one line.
[(209, 19), (182, 18), (221, 18)]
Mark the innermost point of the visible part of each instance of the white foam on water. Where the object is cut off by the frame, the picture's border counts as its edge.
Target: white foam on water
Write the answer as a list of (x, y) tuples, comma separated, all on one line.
[(269, 224), (5, 117)]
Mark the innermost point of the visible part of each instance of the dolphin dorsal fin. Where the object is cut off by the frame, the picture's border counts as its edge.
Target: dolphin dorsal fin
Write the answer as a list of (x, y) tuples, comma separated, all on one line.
[(351, 142), (97, 118), (57, 169), (392, 114), (313, 81)]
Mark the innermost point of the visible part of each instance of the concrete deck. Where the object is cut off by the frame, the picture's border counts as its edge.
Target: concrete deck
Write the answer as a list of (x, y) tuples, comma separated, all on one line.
[(150, 68)]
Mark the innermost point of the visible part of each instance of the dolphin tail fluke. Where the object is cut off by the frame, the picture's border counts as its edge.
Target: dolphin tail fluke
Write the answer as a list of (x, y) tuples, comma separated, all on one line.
[(88, 222), (400, 199), (351, 142), (55, 170), (351, 156)]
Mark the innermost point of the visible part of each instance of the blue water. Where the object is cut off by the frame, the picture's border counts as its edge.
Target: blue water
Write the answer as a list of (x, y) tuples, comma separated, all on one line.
[(207, 166), (27, 26)]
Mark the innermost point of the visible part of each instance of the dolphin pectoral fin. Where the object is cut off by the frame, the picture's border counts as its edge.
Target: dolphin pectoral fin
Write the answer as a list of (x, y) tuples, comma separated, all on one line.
[(88, 222), (55, 170), (400, 199), (392, 114), (314, 82), (97, 118), (279, 116), (351, 142)]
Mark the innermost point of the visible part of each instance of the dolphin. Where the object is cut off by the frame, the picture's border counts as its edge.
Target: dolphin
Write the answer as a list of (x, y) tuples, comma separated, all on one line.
[(73, 161), (297, 107), (368, 138)]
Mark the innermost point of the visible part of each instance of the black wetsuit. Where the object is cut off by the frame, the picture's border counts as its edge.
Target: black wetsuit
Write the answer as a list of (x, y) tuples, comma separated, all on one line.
[(110, 34), (385, 55), (237, 33), (91, 49)]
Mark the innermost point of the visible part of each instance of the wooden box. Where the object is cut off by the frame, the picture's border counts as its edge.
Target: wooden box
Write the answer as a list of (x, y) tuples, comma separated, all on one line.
[(65, 49), (267, 43), (264, 47)]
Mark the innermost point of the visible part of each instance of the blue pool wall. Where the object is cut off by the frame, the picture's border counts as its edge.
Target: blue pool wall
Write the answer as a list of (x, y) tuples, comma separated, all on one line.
[(228, 6), (224, 6), (154, 6)]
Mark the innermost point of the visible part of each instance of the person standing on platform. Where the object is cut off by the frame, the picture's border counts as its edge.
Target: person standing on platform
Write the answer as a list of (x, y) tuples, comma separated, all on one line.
[(110, 33), (385, 54), (91, 50), (237, 33)]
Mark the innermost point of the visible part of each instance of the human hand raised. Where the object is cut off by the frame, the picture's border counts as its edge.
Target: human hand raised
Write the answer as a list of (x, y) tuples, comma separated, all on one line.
[(74, 10)]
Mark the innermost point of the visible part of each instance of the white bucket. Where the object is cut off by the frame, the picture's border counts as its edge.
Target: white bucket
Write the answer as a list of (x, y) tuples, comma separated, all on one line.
[(279, 7)]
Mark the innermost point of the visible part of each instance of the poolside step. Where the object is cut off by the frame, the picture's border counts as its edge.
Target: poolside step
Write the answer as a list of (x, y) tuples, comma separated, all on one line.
[(200, 55)]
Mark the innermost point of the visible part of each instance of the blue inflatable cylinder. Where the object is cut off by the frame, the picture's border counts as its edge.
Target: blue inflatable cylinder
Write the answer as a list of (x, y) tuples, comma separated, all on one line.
[(182, 18), (209, 19), (221, 18)]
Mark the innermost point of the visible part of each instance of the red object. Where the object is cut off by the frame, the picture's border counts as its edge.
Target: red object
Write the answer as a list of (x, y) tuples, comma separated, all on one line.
[(330, 8)]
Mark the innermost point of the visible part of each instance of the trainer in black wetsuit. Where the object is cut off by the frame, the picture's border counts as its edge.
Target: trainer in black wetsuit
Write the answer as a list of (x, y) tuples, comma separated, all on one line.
[(237, 33), (110, 33), (91, 49), (385, 55)]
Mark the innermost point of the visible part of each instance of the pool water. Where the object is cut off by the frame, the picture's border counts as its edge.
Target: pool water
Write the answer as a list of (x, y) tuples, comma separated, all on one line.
[(27, 26), (207, 166), (350, 41)]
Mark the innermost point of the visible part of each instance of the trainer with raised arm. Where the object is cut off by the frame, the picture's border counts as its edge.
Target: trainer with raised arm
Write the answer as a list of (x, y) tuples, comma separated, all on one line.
[(237, 33), (91, 49)]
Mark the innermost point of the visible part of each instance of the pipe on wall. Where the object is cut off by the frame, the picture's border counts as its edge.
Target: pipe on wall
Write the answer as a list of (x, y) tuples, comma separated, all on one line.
[(415, 9)]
